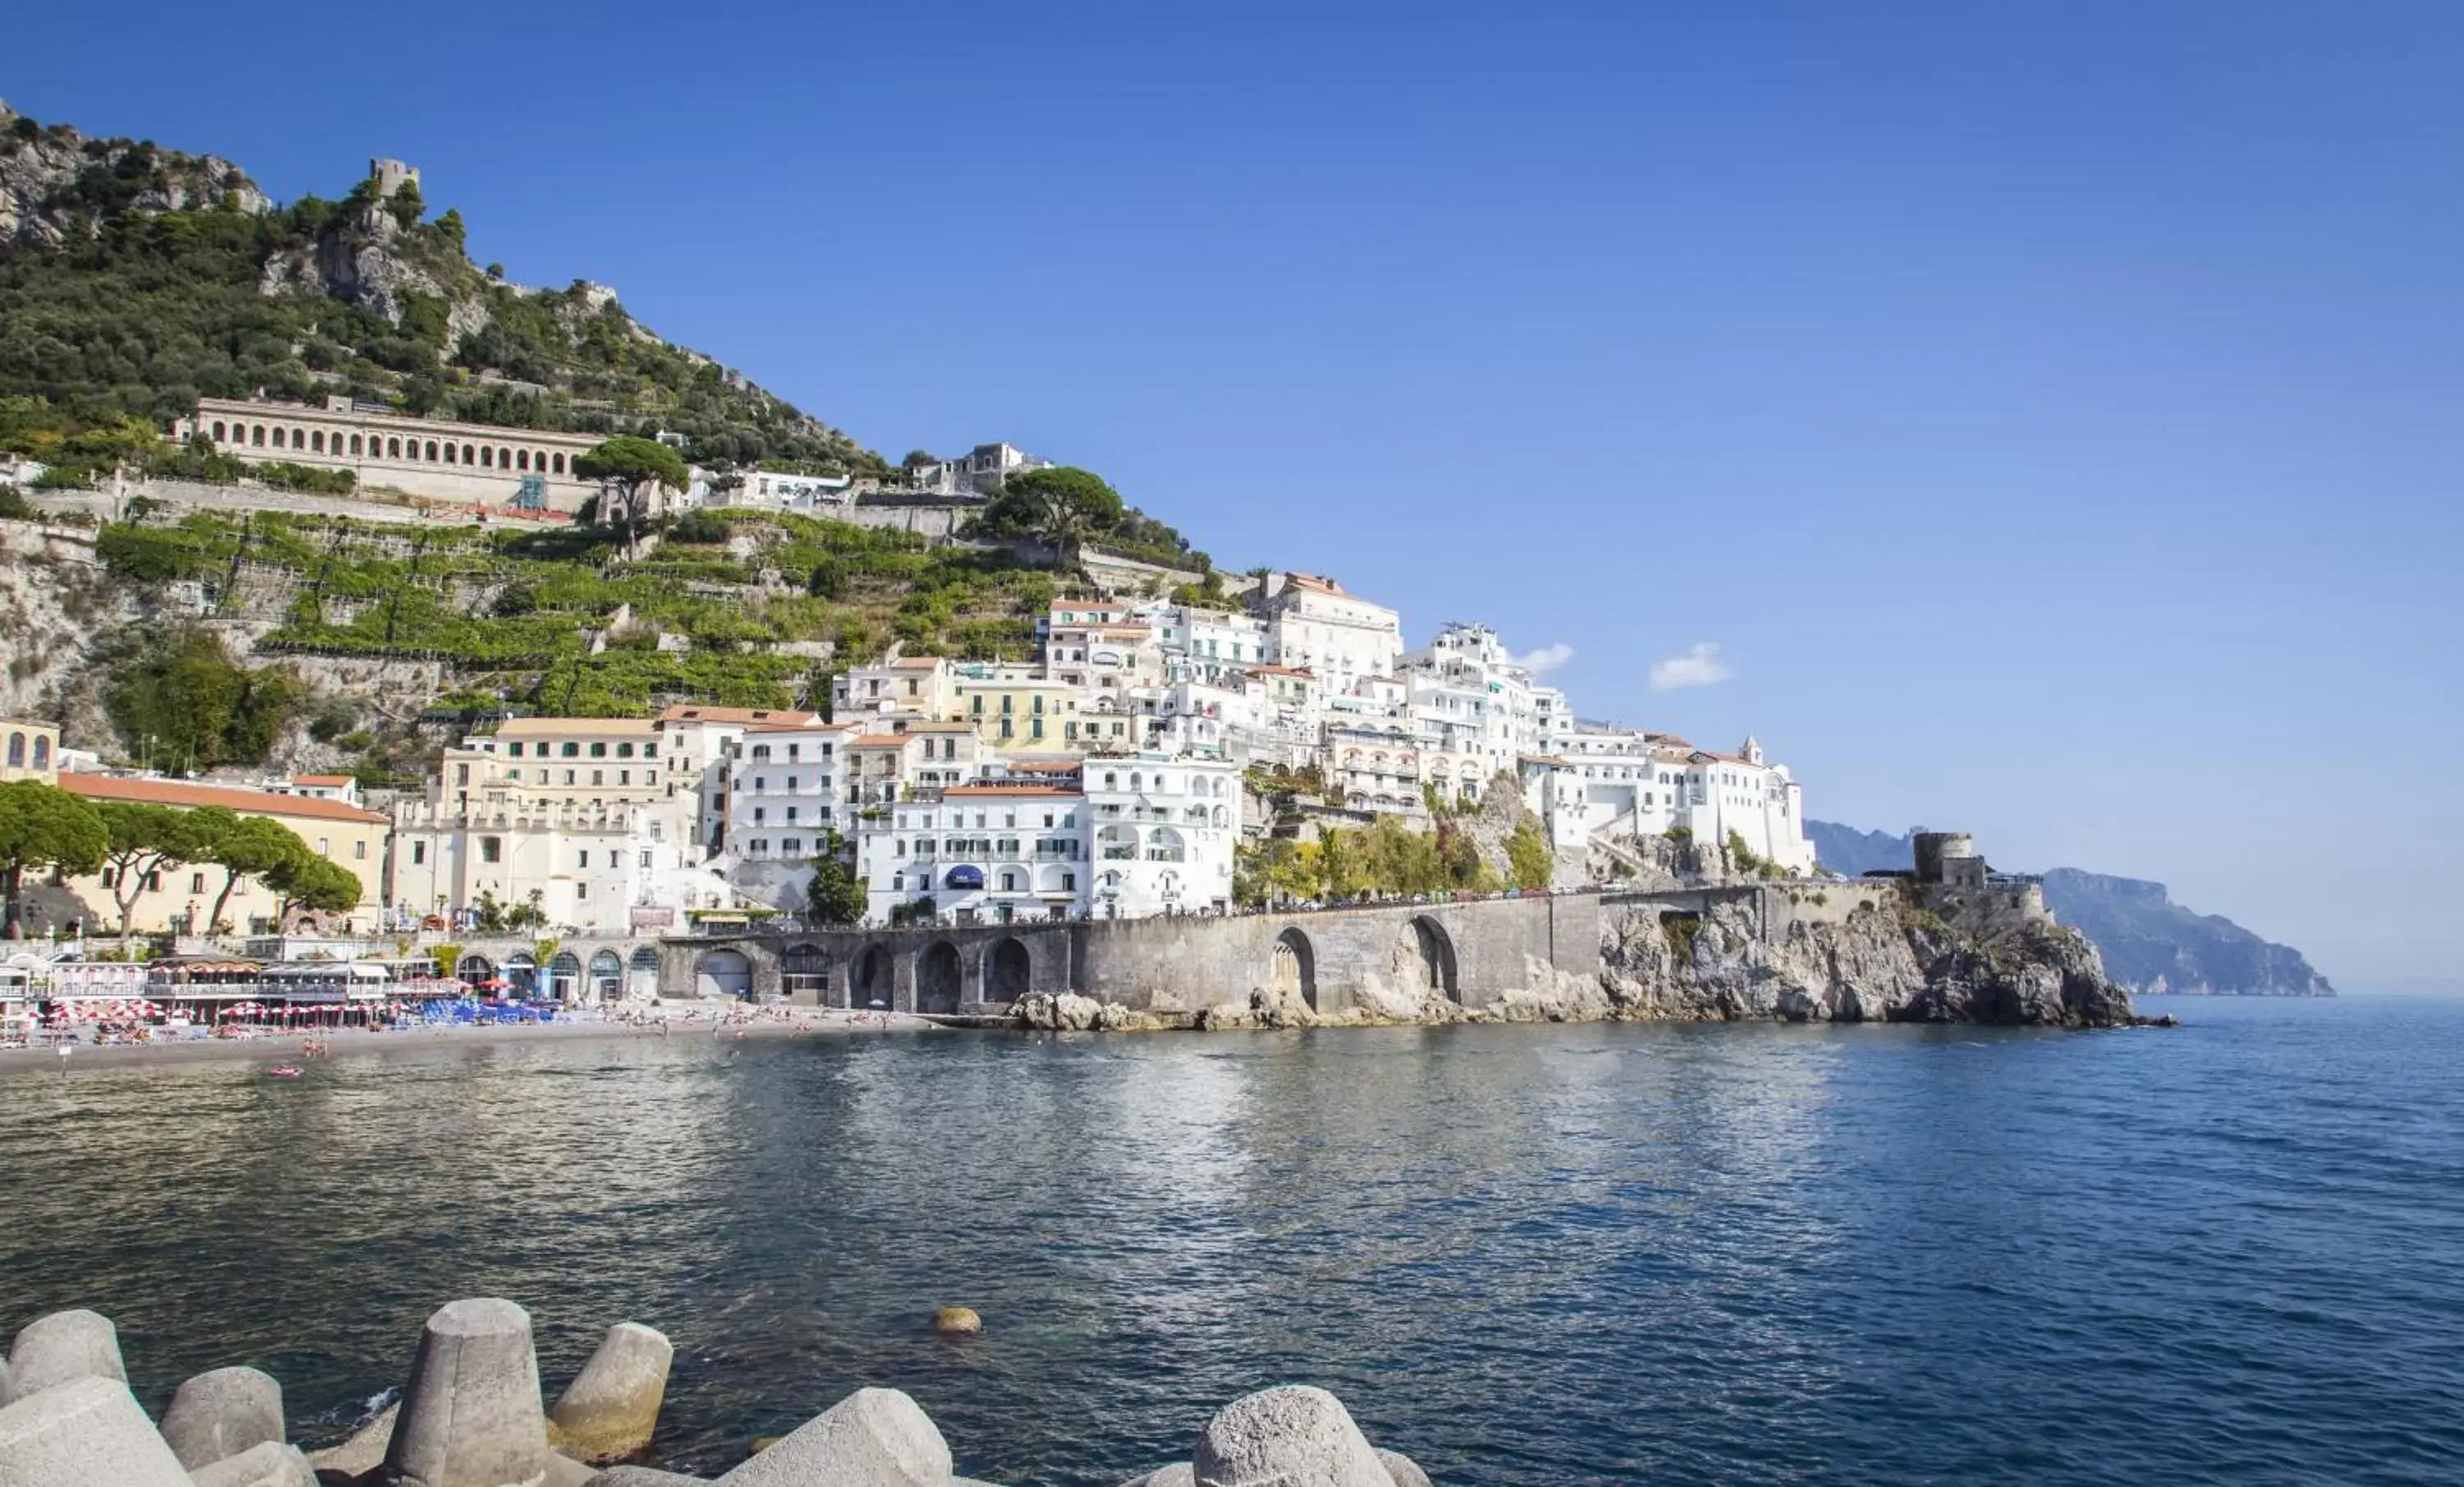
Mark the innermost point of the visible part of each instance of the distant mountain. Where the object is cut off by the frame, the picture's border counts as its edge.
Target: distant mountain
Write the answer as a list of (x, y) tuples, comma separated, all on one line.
[(2150, 942)]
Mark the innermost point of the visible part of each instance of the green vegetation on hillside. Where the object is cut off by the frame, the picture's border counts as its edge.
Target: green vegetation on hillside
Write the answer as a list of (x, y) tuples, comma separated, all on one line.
[(515, 613), (138, 311)]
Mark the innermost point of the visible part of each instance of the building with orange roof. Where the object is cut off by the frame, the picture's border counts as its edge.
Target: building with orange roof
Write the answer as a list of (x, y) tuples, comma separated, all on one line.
[(918, 686), (1339, 636), (29, 750), (176, 900)]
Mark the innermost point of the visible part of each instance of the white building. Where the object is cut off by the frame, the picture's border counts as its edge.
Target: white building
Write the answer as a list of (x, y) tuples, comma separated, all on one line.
[(976, 473), (589, 818), (1337, 636), (1469, 692), (992, 852), (777, 490), (1631, 783), (1161, 831), (1207, 645), (788, 788), (915, 686)]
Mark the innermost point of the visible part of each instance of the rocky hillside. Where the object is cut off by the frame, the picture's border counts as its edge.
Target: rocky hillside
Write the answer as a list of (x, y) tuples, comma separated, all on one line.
[(134, 278), (2150, 942), (2153, 944)]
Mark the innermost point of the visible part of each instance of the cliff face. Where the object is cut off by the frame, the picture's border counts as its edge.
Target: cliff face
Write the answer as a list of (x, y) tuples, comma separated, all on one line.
[(1890, 964), (55, 183), (2152, 944)]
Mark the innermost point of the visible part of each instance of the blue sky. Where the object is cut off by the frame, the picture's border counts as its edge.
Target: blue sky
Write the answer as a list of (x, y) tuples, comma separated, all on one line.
[(2050, 412)]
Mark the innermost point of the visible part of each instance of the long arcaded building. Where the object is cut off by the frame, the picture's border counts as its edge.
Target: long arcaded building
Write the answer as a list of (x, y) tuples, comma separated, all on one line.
[(476, 463)]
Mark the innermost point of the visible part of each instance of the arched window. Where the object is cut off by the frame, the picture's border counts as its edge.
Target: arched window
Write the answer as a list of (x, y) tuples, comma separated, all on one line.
[(486, 457), (355, 445), (504, 459), (466, 454), (42, 751), (522, 459), (431, 451), (257, 437), (219, 434), (317, 441), (16, 751), (556, 461), (449, 454), (393, 448), (277, 435)]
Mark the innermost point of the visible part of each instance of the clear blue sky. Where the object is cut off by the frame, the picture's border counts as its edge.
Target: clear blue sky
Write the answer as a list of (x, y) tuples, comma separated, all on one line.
[(2053, 413)]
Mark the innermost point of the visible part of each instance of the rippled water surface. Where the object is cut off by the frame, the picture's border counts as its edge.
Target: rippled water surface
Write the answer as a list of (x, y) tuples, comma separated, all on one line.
[(2230, 1253)]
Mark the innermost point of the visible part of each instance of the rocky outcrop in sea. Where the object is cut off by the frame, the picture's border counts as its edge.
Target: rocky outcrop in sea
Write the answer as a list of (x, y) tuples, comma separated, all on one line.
[(470, 1415)]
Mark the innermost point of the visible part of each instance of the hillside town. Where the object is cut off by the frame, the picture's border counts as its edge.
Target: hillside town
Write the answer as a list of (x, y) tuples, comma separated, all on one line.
[(1117, 776)]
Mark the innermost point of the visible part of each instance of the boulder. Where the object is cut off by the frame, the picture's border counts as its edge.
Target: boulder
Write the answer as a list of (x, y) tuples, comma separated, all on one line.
[(1291, 1436), (1405, 1472), (222, 1414), (874, 1437), (566, 1471), (612, 1406), (84, 1433), (957, 1322), (267, 1464), (5, 1394), (645, 1477), (1165, 1476), (364, 1452), (471, 1414), (65, 1345)]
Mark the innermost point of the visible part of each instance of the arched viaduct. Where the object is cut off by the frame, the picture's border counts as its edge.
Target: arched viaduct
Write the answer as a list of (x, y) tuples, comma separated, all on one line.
[(1471, 952)]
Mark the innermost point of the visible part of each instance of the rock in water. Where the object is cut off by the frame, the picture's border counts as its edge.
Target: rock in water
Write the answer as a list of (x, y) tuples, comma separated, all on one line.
[(222, 1414), (65, 1345), (471, 1414), (84, 1433), (874, 1437), (611, 1408), (1291, 1436), (269, 1464), (1405, 1472), (364, 1452), (957, 1322)]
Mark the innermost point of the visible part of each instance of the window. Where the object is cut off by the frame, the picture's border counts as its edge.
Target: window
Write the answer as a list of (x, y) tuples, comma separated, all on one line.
[(418, 854), (623, 776), (360, 851), (325, 847), (582, 890), (598, 776), (196, 882), (491, 849), (513, 750), (791, 846), (461, 774), (581, 859), (624, 750), (645, 859), (568, 777), (598, 750)]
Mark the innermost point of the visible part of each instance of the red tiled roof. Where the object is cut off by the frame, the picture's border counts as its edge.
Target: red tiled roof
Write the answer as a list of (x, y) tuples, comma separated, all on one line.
[(188, 795)]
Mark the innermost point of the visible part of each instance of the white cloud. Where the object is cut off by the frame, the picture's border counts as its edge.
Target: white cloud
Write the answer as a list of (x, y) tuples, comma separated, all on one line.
[(1699, 667), (1549, 657)]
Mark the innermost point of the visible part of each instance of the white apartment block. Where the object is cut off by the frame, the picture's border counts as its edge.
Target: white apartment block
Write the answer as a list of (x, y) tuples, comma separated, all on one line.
[(916, 686), (787, 789), (1469, 692), (1338, 637), (774, 489), (976, 473), (1631, 783), (1207, 645), (1161, 829), (993, 853)]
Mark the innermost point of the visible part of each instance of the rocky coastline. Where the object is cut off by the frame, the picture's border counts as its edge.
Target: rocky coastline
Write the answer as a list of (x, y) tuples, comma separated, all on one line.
[(1901, 952), (471, 1415)]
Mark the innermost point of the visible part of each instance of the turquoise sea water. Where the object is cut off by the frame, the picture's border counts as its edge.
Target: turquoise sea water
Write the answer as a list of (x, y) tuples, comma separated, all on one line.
[(2231, 1252)]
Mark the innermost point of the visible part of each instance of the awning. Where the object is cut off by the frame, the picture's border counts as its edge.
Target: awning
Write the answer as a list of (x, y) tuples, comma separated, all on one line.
[(964, 877)]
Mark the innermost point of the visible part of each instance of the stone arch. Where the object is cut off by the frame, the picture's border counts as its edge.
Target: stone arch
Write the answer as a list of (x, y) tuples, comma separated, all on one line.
[(466, 453), (642, 974), (875, 970), (277, 435), (317, 440), (1009, 971), (1435, 950), (16, 751), (1295, 965), (487, 456), (42, 750), (504, 459), (805, 970), (220, 433), (607, 983), (723, 973), (556, 464), (521, 974), (939, 978), (522, 459), (451, 450), (355, 445), (257, 437), (431, 451), (565, 976), (474, 969)]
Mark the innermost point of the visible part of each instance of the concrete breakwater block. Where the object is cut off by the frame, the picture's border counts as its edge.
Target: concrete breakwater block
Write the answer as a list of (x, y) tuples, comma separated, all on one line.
[(222, 1414), (874, 1437), (1402, 1468), (268, 1464), (645, 1477), (612, 1406), (1165, 1476), (84, 1433), (364, 1452), (1291, 1436), (471, 1414), (65, 1345)]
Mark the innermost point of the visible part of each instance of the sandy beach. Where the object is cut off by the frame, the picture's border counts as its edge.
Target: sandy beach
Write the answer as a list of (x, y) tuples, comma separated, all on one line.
[(670, 1023)]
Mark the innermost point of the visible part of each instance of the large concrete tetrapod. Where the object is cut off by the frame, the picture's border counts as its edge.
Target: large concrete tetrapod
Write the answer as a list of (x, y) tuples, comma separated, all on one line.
[(85, 1433), (62, 1346), (471, 1413), (220, 1414), (611, 1408)]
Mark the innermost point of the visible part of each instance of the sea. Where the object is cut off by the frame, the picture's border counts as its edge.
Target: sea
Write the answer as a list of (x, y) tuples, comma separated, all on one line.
[(2231, 1252)]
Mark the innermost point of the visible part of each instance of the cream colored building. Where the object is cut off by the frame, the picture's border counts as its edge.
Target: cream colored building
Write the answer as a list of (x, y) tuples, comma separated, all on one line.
[(476, 463), (594, 815), (29, 750), (176, 900)]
